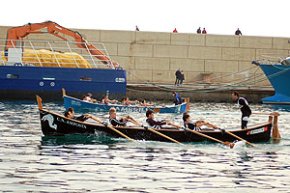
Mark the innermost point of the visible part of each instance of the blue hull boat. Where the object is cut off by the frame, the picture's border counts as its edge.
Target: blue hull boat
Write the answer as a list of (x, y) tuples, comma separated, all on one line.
[(16, 80), (85, 106), (44, 67), (279, 77)]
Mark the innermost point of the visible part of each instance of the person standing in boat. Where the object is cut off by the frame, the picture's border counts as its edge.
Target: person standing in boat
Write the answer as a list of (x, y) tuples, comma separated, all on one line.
[(157, 124), (70, 113), (197, 126), (122, 121), (244, 106), (177, 99)]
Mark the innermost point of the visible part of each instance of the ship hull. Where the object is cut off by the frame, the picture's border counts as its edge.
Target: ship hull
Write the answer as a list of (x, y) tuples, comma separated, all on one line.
[(23, 82), (279, 77)]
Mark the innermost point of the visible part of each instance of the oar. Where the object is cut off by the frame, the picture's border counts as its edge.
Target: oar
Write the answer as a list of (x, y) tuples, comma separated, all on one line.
[(239, 138), (231, 145), (119, 132), (162, 135)]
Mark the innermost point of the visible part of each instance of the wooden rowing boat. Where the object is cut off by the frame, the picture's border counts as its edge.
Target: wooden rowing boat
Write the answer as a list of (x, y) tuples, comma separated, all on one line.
[(56, 124)]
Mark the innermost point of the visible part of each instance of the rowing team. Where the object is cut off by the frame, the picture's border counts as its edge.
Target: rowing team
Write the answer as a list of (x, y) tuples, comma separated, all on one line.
[(117, 122), (125, 101)]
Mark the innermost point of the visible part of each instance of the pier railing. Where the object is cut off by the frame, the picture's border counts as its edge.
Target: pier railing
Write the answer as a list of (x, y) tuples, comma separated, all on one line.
[(53, 54)]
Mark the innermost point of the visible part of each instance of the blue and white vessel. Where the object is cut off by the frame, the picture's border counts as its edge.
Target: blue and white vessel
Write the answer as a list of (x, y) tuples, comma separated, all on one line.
[(279, 76), (29, 67)]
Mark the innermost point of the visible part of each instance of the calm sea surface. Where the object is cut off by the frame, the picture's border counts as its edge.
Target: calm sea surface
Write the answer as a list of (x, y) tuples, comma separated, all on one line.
[(30, 162)]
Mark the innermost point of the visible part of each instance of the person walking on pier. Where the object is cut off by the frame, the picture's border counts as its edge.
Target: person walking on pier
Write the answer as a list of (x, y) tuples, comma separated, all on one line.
[(244, 106)]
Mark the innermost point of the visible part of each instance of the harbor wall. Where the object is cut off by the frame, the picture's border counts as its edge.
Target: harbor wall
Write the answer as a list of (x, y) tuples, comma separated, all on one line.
[(155, 56)]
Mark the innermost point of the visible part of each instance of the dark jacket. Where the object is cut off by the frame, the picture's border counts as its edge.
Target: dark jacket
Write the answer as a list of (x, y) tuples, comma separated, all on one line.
[(154, 123), (116, 122)]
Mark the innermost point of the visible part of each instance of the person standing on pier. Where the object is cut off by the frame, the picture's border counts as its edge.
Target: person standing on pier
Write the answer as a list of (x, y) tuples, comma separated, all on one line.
[(238, 32), (177, 75), (244, 106), (198, 31)]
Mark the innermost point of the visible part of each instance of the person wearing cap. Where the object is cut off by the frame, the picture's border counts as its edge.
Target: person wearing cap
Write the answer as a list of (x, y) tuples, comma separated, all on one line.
[(70, 113), (157, 124), (122, 121)]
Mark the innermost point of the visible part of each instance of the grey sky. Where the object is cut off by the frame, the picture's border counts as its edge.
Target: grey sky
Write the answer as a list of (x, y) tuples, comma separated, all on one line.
[(253, 17)]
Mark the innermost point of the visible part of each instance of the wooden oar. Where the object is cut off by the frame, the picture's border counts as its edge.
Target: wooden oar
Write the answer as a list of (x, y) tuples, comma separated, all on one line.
[(162, 135), (119, 132), (63, 92), (239, 138), (231, 145), (39, 102)]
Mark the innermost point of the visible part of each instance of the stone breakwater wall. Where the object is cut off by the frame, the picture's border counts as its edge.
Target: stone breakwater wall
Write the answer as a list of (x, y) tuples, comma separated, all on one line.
[(155, 56)]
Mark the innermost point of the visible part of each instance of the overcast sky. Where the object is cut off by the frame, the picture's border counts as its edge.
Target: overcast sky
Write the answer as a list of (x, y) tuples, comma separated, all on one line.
[(253, 17)]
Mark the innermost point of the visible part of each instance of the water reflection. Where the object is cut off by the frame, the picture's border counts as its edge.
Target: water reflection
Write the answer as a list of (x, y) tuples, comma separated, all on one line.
[(73, 139)]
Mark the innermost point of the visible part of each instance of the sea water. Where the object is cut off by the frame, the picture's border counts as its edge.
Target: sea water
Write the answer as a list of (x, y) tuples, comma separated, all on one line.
[(30, 162)]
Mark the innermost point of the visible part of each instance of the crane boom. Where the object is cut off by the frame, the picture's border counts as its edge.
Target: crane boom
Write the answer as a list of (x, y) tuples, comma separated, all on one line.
[(18, 33)]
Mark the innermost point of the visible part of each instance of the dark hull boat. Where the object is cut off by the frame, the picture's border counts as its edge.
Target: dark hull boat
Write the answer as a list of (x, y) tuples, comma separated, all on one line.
[(56, 124)]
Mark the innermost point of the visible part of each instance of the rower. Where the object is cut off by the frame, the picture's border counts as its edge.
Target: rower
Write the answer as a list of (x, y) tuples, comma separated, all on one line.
[(197, 125), (122, 121), (70, 113), (157, 124)]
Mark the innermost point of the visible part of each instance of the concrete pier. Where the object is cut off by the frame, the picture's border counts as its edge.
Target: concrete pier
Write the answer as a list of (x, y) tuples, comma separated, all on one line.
[(202, 93)]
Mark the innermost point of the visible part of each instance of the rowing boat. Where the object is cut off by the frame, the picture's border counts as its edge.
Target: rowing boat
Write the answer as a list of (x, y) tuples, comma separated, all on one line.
[(56, 124), (86, 106)]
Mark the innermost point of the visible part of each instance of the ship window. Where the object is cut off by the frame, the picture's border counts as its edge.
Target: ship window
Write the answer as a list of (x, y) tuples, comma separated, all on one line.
[(86, 79), (12, 76)]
